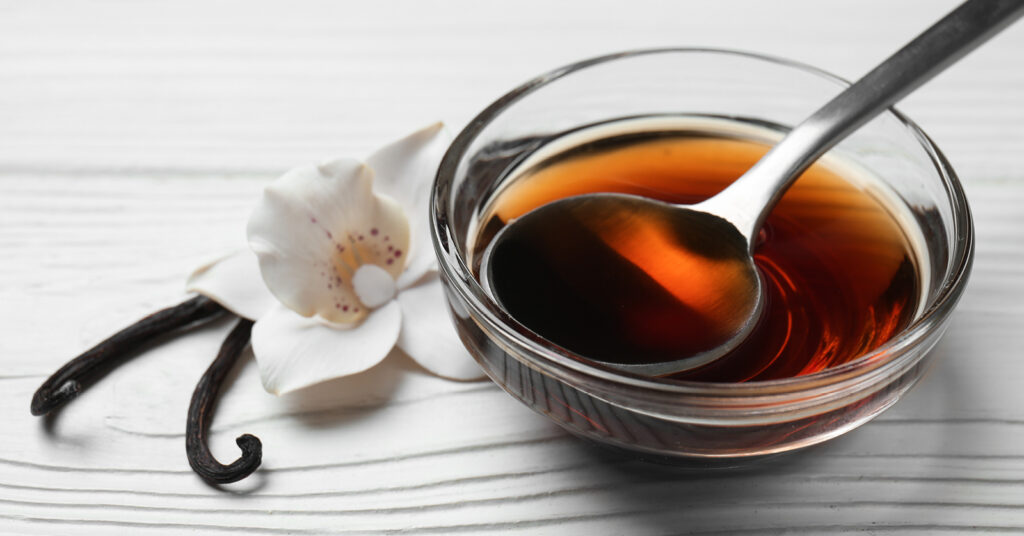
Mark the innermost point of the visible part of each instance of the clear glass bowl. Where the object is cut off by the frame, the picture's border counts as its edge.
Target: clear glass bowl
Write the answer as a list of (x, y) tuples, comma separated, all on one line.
[(670, 418)]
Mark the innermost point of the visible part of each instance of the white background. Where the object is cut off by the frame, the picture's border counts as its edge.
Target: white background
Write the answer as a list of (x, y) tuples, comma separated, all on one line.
[(135, 137)]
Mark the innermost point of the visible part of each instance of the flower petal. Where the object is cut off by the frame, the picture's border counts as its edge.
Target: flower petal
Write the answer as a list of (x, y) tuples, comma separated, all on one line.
[(405, 170), (315, 226), (295, 352), (234, 281), (429, 336)]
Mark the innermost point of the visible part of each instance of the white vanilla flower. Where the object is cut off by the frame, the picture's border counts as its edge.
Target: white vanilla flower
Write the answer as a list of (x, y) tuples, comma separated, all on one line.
[(341, 270)]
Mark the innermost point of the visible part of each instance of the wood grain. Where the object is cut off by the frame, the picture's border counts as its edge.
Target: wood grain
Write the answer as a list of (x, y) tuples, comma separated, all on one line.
[(135, 137)]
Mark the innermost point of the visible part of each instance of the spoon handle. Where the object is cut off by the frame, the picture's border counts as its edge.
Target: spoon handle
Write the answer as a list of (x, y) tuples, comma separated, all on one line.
[(747, 201)]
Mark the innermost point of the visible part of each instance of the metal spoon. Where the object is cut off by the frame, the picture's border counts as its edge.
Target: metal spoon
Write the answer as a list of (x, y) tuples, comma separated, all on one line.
[(719, 231)]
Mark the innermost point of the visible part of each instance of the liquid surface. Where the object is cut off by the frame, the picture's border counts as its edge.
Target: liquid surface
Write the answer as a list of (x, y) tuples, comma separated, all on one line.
[(839, 273)]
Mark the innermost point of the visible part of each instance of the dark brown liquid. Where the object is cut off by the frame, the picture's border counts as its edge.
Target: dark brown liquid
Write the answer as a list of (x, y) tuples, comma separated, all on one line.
[(839, 272)]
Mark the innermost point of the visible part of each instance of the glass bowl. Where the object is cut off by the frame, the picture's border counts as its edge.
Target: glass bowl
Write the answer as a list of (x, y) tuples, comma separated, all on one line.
[(664, 418)]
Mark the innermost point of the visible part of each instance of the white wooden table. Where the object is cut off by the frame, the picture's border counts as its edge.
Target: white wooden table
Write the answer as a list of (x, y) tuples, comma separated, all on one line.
[(135, 137)]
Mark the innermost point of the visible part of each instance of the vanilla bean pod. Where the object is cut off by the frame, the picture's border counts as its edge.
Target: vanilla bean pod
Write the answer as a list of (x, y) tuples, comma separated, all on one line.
[(200, 413), (71, 379)]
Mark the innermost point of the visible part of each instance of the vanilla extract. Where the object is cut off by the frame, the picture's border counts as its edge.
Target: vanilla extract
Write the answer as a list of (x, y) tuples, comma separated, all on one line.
[(838, 267)]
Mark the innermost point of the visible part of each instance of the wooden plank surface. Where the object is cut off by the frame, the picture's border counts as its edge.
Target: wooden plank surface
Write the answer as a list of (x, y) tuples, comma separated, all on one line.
[(135, 137)]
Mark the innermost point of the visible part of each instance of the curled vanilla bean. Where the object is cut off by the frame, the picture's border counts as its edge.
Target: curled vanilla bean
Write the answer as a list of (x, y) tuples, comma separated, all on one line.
[(200, 413), (71, 379)]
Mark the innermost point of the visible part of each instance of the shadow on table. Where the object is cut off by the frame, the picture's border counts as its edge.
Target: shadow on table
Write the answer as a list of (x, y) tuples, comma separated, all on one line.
[(895, 460)]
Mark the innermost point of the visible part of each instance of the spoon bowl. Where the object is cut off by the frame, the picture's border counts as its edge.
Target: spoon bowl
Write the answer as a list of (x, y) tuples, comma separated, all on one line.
[(670, 281)]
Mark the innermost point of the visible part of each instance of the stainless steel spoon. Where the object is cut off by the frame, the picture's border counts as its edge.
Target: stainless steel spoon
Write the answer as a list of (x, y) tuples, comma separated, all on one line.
[(719, 231)]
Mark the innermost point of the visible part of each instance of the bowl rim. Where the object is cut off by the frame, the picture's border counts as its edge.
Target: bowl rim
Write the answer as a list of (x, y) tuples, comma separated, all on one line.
[(875, 364)]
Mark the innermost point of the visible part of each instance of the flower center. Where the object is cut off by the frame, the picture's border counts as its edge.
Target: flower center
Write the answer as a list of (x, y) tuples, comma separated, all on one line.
[(373, 285)]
